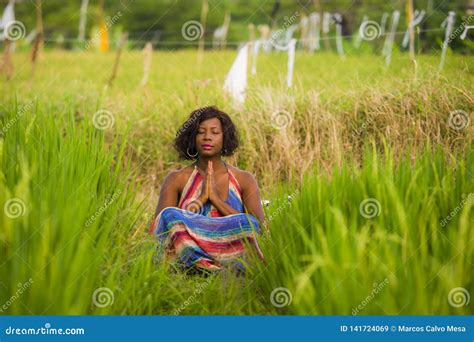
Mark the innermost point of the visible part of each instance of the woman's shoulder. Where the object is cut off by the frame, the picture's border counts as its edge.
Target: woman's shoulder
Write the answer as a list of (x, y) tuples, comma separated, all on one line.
[(180, 175), (185, 171), (243, 177)]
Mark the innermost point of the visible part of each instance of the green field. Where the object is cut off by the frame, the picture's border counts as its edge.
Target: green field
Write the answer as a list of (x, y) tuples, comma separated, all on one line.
[(381, 178)]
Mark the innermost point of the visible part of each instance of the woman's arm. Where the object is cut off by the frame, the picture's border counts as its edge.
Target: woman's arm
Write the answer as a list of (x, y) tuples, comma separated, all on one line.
[(251, 197), (220, 204), (168, 192), (223, 207)]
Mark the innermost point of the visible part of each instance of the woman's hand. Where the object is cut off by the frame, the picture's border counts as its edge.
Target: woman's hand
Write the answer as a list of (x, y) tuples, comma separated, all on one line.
[(213, 194), (204, 196), (209, 188), (223, 207)]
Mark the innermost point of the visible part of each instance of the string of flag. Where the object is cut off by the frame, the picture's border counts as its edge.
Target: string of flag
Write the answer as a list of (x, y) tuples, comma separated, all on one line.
[(314, 29)]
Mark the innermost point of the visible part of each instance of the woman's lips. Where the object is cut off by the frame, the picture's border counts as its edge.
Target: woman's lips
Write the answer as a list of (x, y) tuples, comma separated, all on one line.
[(206, 147)]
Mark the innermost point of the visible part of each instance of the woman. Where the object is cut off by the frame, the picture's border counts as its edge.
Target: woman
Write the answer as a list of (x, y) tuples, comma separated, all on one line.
[(200, 218)]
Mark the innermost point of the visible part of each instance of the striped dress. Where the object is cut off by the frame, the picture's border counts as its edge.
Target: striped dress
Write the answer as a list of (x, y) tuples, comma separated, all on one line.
[(206, 239)]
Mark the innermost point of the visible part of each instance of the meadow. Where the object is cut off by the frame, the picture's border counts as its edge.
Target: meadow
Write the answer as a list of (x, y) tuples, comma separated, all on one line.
[(378, 163)]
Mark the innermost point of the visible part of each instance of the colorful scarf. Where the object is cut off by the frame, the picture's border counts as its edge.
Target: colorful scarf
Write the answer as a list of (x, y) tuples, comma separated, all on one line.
[(206, 239)]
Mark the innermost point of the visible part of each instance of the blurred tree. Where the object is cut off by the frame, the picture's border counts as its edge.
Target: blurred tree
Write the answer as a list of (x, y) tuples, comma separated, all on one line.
[(160, 21)]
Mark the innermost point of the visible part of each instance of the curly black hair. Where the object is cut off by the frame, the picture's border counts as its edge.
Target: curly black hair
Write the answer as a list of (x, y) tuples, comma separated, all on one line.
[(185, 140)]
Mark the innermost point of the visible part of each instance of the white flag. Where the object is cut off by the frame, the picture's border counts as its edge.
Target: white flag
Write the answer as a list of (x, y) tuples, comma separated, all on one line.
[(314, 34), (256, 48), (291, 62), (236, 80), (338, 20), (417, 18), (448, 23), (8, 17), (290, 47), (388, 46), (83, 20)]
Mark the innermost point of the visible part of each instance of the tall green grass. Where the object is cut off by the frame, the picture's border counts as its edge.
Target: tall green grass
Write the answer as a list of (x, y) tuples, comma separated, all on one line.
[(333, 106), (321, 249), (330, 249), (74, 241), (329, 258), (65, 205)]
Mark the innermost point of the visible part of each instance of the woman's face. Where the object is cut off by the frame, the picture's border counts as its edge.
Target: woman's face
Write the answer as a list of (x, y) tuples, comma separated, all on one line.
[(209, 137)]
